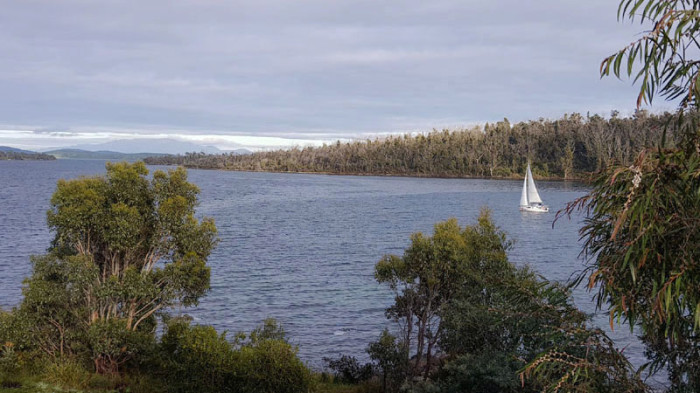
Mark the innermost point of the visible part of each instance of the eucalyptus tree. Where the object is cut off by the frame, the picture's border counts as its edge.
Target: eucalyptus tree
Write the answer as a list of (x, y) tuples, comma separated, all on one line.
[(432, 271), (642, 232), (471, 321), (125, 248)]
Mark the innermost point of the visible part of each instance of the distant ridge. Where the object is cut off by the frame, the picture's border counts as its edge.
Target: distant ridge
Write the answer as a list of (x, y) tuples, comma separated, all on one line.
[(100, 155), (153, 146), (15, 150)]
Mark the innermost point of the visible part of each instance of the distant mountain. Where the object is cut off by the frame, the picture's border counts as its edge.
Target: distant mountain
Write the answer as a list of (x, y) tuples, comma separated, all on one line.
[(153, 146), (100, 155), (15, 150)]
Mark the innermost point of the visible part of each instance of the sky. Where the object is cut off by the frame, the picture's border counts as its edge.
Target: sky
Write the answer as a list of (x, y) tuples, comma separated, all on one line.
[(276, 73)]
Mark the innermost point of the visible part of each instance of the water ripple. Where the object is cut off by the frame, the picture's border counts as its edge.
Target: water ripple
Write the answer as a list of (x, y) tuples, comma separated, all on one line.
[(302, 248)]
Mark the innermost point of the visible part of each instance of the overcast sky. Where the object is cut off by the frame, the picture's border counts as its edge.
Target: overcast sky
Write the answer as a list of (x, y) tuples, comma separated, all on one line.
[(227, 73)]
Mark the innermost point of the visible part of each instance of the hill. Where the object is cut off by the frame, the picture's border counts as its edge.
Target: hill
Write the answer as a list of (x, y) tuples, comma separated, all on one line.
[(7, 149), (100, 155), (154, 146)]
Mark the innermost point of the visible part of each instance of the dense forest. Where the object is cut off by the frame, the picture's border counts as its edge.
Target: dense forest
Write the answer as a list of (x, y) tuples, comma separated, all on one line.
[(16, 155), (565, 148)]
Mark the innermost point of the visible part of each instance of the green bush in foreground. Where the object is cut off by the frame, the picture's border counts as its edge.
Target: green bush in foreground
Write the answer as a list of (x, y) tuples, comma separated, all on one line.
[(475, 322), (197, 358), (126, 248)]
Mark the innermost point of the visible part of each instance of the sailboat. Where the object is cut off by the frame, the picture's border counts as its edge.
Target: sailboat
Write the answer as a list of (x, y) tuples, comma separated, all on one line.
[(530, 200)]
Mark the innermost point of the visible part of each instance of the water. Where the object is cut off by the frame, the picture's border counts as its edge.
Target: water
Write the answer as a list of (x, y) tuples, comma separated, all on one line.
[(302, 248)]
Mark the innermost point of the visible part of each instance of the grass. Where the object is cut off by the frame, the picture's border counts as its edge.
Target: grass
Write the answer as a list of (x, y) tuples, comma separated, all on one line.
[(39, 387), (71, 378), (18, 390), (331, 387)]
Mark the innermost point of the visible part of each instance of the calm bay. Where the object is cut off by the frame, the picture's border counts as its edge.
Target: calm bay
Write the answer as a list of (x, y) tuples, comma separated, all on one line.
[(301, 248)]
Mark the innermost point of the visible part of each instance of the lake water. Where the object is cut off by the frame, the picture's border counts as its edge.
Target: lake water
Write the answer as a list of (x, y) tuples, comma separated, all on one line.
[(302, 248)]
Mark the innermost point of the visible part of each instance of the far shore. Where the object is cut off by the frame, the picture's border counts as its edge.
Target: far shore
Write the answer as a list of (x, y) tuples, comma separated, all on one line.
[(585, 178)]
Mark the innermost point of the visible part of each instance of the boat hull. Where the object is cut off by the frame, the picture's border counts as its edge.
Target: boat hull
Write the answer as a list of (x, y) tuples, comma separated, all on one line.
[(535, 208)]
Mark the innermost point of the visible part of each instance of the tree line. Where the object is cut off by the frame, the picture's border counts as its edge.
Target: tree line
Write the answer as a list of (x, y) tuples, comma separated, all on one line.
[(567, 148), (14, 155)]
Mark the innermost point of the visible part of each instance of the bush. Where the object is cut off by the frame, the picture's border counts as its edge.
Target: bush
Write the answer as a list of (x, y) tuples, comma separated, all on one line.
[(502, 172), (9, 366), (391, 360), (270, 366), (197, 358), (484, 372), (67, 374), (347, 369)]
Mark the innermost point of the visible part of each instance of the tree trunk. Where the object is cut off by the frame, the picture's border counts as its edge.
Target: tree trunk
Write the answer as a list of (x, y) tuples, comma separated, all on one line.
[(428, 358), (105, 365)]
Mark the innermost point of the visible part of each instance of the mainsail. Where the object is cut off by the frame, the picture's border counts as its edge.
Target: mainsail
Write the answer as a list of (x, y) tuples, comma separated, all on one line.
[(523, 196), (532, 195)]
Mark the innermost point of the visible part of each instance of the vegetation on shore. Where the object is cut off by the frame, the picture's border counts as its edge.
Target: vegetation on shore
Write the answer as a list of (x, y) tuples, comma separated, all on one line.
[(568, 148), (126, 250), (468, 320), (22, 155)]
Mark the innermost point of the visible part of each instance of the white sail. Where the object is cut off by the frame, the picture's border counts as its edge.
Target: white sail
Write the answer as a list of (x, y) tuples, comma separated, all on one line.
[(523, 195), (532, 195)]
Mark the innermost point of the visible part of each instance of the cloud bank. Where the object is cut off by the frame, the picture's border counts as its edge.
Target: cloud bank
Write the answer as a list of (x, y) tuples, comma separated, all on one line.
[(308, 70)]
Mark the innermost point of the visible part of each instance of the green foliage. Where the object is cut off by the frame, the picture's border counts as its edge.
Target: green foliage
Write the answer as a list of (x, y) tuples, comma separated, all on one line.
[(197, 358), (504, 319), (569, 147), (271, 366), (15, 155), (325, 385), (67, 374), (48, 319), (269, 330), (9, 366), (112, 344), (584, 360), (508, 320), (432, 271), (643, 237), (492, 326), (488, 371), (664, 53), (390, 357), (347, 369), (641, 234), (125, 248)]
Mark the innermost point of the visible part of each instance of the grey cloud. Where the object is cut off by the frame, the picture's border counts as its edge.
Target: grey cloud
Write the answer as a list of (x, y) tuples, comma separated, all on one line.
[(315, 67)]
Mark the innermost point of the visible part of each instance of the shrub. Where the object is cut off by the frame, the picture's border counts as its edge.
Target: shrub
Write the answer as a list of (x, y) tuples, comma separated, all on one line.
[(390, 357), (197, 358), (9, 366), (270, 366), (347, 369), (502, 172), (67, 374)]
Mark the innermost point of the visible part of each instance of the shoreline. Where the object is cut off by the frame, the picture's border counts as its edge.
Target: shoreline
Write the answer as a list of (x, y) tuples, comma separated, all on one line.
[(362, 174)]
